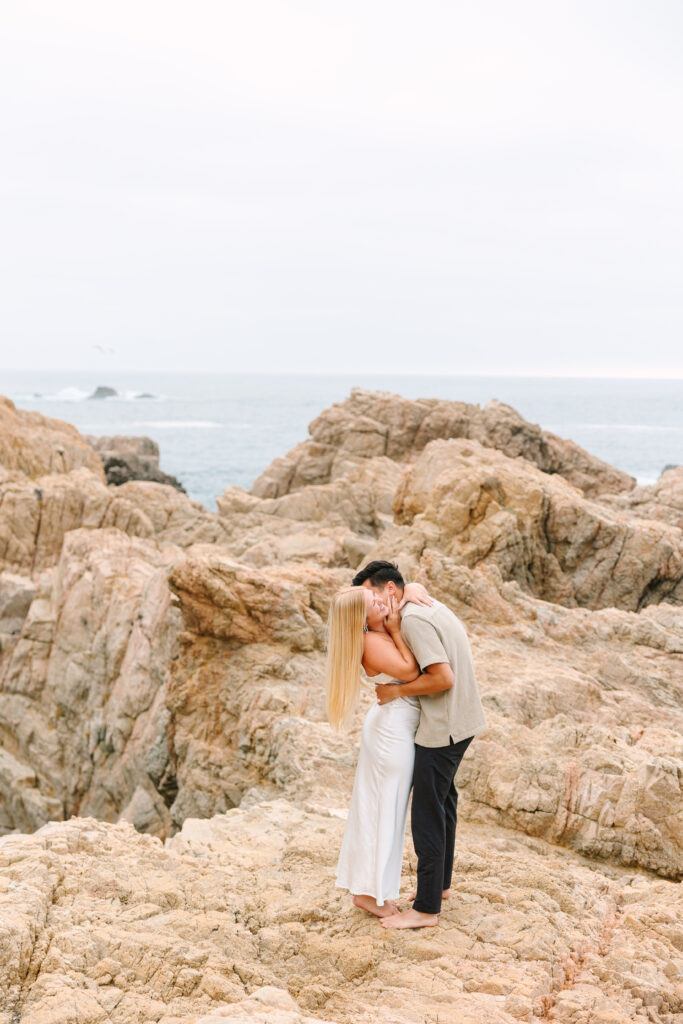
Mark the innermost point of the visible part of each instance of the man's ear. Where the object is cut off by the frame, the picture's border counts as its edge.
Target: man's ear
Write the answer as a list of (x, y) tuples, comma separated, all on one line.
[(390, 588)]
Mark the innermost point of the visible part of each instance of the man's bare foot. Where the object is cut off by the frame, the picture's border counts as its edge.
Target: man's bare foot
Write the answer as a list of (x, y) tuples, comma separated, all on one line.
[(445, 895), (410, 919), (369, 903)]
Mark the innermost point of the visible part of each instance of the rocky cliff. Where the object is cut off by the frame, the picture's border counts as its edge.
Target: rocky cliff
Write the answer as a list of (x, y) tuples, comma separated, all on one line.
[(162, 666)]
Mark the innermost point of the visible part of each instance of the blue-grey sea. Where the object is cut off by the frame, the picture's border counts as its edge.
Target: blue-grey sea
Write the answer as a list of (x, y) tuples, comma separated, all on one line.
[(220, 429)]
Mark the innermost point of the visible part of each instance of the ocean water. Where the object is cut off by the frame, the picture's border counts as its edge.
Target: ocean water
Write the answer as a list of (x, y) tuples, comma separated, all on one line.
[(221, 429)]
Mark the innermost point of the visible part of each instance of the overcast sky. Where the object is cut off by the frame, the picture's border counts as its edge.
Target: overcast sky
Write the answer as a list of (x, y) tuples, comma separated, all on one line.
[(475, 187)]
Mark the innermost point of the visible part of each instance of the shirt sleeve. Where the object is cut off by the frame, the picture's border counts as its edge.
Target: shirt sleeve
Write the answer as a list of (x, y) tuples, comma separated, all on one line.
[(424, 641)]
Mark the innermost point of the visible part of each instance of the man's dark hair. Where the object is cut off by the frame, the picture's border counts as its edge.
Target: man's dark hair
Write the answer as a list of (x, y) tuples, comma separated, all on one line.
[(379, 574)]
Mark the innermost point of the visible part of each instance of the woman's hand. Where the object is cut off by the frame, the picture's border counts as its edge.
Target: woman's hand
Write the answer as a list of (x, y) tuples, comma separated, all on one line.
[(417, 594), (392, 619)]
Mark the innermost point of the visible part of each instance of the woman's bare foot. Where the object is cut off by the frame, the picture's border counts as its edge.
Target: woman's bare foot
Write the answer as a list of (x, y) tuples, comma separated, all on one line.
[(369, 903), (445, 895), (410, 919)]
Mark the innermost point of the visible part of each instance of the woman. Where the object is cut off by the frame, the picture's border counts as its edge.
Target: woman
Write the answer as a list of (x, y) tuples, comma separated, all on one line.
[(364, 631)]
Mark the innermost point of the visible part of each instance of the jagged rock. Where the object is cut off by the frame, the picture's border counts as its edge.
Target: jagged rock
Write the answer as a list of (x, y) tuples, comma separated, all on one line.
[(360, 498), (229, 601), (169, 667), (34, 444), (126, 457), (237, 919), (120, 469), (124, 444), (330, 525), (662, 500), (175, 518), (36, 515), (83, 687), (584, 746), (373, 423), (478, 506), (16, 594)]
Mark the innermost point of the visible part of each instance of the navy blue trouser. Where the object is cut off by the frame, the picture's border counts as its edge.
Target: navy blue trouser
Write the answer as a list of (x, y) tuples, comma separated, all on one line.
[(434, 816)]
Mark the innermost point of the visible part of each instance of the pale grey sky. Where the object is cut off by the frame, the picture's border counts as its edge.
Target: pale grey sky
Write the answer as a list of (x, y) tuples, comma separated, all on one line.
[(476, 187)]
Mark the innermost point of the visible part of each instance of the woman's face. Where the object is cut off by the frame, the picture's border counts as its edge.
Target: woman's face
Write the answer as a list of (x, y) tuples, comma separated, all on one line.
[(375, 610)]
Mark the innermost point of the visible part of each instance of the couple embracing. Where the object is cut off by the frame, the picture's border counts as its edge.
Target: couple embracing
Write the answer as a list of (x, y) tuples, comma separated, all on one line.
[(428, 710)]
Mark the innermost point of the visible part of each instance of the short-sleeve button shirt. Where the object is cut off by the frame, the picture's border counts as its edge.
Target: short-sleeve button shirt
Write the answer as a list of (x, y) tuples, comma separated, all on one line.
[(434, 634)]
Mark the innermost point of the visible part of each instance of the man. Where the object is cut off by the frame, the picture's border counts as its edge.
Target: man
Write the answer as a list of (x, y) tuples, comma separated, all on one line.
[(451, 714)]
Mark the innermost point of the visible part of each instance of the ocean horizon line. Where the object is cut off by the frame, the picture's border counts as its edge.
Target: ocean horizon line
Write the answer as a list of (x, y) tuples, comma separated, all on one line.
[(435, 374)]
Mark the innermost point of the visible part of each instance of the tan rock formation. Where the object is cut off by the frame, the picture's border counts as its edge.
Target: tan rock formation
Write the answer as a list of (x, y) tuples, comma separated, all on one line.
[(237, 919), (36, 515), (82, 687), (160, 664), (333, 524), (158, 723), (586, 735), (124, 444), (174, 518), (35, 444), (662, 500), (478, 506), (373, 423)]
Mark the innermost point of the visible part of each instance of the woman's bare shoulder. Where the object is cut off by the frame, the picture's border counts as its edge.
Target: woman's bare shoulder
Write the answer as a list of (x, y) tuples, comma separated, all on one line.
[(373, 645)]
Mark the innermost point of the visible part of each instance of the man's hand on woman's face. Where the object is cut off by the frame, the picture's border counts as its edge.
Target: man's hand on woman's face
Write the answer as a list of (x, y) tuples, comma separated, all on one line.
[(392, 619)]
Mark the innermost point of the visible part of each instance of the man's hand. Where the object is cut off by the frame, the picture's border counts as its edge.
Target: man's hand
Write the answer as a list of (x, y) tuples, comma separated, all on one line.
[(417, 594), (392, 620), (435, 679)]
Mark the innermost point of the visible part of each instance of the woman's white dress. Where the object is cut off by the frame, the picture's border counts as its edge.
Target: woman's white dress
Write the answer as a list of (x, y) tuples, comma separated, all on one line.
[(372, 849)]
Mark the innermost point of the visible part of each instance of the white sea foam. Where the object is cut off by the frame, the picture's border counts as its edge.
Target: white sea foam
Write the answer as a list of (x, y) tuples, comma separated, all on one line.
[(73, 394), (67, 395)]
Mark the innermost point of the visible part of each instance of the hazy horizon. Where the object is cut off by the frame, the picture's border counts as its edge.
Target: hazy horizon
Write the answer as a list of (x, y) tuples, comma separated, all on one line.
[(32, 370), (370, 189)]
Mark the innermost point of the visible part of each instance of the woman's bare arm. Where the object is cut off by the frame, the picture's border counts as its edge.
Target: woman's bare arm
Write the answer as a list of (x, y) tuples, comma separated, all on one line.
[(381, 654), (389, 654)]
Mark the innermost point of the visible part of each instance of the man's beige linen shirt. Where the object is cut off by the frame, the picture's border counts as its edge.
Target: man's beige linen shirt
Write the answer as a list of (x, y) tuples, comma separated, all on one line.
[(434, 635)]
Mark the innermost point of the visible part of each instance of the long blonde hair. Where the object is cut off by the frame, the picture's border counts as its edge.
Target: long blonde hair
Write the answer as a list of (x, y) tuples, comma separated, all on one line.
[(344, 654)]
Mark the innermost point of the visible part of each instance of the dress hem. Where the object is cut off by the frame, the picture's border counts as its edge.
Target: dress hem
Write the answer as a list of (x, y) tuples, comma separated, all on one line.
[(365, 892)]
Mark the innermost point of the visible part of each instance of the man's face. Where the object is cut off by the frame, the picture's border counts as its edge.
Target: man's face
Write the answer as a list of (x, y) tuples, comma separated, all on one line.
[(383, 593)]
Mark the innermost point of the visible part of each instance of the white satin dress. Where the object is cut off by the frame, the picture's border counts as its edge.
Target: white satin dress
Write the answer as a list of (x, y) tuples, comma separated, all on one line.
[(372, 849)]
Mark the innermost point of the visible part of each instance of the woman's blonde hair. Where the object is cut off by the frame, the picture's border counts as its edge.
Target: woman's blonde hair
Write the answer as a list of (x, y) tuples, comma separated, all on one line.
[(344, 654)]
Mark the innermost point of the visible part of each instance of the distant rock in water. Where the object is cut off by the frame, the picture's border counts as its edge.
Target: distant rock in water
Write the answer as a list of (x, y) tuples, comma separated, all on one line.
[(146, 394), (669, 465), (127, 457), (103, 392)]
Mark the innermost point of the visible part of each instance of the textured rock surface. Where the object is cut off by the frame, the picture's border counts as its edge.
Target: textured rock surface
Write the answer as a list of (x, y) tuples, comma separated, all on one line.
[(479, 506), (119, 469), (34, 444), (124, 444), (161, 667), (127, 457), (662, 500), (237, 919), (372, 423), (36, 515)]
